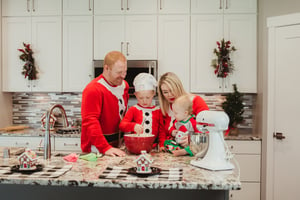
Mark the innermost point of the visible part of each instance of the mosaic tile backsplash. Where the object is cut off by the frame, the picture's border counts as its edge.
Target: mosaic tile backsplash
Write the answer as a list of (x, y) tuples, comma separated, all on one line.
[(28, 108)]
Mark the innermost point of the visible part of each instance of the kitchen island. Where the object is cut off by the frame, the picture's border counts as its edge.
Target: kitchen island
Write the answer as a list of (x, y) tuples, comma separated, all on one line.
[(82, 180)]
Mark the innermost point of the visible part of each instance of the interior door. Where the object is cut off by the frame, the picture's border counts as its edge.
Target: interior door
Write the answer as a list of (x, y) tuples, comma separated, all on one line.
[(286, 113)]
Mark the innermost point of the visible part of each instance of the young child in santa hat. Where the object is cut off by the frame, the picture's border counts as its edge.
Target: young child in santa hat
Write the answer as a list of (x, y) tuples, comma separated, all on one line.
[(183, 125), (144, 117)]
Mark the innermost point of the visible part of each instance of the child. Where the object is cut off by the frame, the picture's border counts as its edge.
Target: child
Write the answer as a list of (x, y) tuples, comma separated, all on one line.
[(144, 117), (184, 124)]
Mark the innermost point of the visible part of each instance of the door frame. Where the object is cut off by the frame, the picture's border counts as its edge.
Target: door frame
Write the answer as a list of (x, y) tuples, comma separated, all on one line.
[(269, 104)]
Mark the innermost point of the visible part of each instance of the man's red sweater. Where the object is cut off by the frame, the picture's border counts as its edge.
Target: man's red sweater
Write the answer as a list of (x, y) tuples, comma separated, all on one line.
[(102, 108)]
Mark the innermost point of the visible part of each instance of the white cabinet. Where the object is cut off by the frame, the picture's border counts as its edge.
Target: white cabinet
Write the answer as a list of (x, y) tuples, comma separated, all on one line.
[(248, 155), (77, 7), (104, 7), (31, 7), (174, 6), (77, 52), (40, 27), (173, 46), (44, 35), (67, 144), (134, 35), (12, 28), (223, 6), (34, 143), (207, 29)]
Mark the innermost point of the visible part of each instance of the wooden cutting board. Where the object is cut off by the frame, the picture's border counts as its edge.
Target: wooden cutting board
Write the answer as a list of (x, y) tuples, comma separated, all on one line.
[(14, 128)]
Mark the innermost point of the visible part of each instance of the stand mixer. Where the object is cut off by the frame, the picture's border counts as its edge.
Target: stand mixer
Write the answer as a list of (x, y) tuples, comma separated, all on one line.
[(218, 155)]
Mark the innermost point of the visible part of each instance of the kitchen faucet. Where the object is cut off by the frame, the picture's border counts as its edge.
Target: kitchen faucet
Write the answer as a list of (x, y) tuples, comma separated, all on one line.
[(47, 142)]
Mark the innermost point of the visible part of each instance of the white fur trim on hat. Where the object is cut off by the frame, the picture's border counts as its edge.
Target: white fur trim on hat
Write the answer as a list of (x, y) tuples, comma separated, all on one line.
[(144, 81)]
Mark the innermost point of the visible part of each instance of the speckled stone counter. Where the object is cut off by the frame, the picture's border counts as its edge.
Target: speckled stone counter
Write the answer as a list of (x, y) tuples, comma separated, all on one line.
[(86, 174)]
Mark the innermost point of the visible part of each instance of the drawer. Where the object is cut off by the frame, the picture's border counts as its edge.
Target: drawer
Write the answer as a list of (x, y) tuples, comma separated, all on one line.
[(249, 191), (67, 144), (27, 142), (249, 167), (244, 147)]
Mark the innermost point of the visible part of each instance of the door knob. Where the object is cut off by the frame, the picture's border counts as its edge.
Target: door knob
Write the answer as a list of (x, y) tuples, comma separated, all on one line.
[(278, 136)]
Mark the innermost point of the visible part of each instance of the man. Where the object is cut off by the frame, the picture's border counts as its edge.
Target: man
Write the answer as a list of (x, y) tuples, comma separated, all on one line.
[(104, 102)]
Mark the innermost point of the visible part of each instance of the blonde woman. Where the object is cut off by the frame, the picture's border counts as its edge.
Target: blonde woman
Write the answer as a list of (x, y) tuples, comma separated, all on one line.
[(169, 89)]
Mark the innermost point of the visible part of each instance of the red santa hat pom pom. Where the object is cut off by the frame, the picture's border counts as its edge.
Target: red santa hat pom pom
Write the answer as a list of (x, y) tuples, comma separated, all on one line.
[(144, 81)]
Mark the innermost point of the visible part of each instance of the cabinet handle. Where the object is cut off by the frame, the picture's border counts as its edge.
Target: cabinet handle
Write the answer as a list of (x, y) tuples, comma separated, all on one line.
[(220, 5), (33, 9), (66, 144), (127, 47), (278, 136), (90, 8), (231, 147), (22, 144), (28, 10), (127, 5), (160, 4), (122, 43), (226, 4), (122, 5)]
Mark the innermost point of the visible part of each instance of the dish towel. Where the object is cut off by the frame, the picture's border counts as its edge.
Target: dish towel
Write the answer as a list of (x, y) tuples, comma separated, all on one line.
[(73, 157), (90, 156), (171, 174)]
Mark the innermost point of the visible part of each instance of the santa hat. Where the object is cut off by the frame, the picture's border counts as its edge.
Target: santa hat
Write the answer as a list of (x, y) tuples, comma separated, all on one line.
[(144, 81)]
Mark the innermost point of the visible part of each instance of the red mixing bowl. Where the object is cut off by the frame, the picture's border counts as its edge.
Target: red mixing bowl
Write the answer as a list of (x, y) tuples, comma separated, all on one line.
[(135, 143)]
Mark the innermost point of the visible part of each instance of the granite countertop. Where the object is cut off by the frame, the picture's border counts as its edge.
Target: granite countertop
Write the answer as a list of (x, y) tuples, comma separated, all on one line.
[(86, 174)]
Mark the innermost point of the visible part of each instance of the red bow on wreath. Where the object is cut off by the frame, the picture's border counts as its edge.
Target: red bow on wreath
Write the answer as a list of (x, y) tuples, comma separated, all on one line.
[(222, 64)]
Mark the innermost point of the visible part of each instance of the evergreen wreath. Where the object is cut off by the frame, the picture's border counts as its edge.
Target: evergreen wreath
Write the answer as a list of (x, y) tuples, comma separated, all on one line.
[(29, 69), (222, 64), (234, 107)]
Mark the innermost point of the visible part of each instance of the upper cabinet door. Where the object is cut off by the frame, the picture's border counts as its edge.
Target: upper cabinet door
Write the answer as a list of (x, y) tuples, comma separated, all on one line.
[(114, 27), (78, 52), (223, 6), (174, 51), (31, 7), (141, 6), (241, 31), (15, 31), (16, 8), (77, 7), (104, 7), (174, 6), (240, 6), (47, 40), (46, 7), (205, 31), (141, 37), (207, 6)]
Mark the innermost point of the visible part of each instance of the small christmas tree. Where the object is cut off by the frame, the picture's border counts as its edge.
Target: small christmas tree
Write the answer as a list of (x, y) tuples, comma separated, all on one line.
[(234, 107)]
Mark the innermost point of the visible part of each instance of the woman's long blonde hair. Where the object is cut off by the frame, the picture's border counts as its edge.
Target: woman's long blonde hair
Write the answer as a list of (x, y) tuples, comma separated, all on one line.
[(173, 82)]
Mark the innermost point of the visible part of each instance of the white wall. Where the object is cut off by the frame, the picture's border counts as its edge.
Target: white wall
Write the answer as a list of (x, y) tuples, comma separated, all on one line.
[(5, 98), (267, 8)]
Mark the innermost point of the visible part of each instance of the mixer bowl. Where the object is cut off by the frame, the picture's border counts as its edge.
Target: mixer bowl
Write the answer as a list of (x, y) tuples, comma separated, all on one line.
[(135, 143)]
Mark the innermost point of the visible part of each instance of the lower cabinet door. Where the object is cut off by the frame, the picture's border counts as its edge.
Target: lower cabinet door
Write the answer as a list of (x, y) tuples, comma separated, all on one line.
[(249, 191)]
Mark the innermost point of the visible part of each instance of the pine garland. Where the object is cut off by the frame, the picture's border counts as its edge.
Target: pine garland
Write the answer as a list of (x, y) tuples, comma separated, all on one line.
[(234, 107), (29, 69)]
